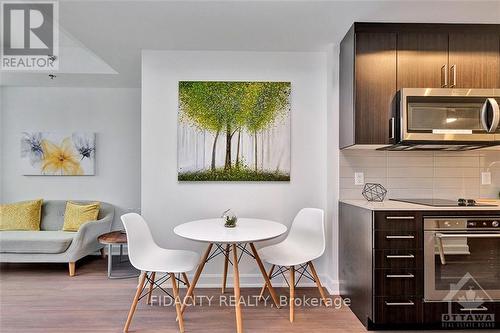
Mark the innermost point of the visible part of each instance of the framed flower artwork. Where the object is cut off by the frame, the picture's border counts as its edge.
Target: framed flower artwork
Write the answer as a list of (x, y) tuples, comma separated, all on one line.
[(58, 153)]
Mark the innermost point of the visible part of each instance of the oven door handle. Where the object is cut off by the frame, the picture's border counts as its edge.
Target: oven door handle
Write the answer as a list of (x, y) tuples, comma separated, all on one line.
[(490, 128), (469, 235)]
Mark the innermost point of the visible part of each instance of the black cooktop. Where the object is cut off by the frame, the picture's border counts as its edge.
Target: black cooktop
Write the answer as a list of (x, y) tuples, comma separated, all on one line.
[(439, 202)]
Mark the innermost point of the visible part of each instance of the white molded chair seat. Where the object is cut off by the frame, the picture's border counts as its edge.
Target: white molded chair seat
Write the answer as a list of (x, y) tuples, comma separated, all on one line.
[(168, 261), (145, 255), (304, 243)]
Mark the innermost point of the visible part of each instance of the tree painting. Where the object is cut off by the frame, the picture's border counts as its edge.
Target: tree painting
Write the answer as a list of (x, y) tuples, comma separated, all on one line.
[(234, 131)]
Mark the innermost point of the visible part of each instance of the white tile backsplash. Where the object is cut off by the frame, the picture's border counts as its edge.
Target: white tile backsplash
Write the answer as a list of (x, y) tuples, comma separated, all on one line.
[(447, 175)]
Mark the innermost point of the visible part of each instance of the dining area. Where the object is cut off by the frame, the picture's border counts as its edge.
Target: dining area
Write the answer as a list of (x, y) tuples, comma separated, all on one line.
[(288, 262)]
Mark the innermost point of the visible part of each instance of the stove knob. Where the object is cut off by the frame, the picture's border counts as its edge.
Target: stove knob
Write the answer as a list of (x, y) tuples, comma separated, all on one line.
[(495, 224)]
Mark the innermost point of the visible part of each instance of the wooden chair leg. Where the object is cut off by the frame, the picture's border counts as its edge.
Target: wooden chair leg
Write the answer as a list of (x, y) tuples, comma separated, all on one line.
[(151, 286), (142, 280), (261, 296), (292, 293), (71, 267), (318, 282), (186, 281), (226, 263), (177, 301)]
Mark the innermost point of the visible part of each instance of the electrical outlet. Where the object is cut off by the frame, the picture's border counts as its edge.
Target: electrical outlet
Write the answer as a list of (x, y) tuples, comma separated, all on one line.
[(359, 178), (485, 178)]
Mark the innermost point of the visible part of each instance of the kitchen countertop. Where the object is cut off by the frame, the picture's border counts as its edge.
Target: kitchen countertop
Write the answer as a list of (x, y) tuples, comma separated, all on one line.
[(397, 205)]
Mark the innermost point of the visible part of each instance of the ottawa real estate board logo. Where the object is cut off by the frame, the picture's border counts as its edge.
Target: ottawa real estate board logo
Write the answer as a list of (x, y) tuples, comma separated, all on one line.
[(30, 35)]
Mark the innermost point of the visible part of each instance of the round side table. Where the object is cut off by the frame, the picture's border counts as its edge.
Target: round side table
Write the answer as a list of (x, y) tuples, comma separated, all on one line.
[(116, 238)]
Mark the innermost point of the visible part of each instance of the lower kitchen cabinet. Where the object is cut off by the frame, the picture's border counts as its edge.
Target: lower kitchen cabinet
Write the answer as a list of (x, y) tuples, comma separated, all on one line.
[(382, 270)]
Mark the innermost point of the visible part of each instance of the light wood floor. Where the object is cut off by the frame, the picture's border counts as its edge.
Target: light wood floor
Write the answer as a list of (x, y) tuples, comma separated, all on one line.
[(43, 298)]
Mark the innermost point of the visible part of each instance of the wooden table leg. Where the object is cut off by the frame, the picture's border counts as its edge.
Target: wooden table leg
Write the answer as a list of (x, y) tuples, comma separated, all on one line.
[(237, 295), (266, 278), (196, 277), (292, 293), (226, 262), (265, 284)]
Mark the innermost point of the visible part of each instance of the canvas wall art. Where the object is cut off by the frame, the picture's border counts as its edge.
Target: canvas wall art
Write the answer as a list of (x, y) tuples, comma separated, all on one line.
[(58, 153), (234, 131)]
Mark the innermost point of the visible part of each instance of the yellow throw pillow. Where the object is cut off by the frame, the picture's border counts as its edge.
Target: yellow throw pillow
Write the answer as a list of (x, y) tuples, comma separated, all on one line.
[(24, 215), (77, 214)]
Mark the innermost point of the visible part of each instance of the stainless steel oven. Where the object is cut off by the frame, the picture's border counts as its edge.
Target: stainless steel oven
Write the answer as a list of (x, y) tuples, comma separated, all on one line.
[(448, 116), (462, 258)]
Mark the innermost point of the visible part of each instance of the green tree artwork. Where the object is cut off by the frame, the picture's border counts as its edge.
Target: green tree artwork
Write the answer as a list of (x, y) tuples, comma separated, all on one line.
[(234, 131)]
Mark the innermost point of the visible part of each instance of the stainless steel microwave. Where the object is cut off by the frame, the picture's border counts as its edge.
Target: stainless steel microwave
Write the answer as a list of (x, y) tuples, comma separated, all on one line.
[(448, 116)]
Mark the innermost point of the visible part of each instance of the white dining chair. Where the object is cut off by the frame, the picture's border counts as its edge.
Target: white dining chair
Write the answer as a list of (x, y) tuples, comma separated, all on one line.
[(149, 258), (304, 243)]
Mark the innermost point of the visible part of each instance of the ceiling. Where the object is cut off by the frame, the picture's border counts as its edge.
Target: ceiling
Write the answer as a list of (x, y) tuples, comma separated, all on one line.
[(101, 41)]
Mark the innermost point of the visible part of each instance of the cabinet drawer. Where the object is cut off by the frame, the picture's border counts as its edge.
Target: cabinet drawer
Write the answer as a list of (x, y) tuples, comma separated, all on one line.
[(398, 310), (403, 258), (396, 221), (398, 282), (390, 239)]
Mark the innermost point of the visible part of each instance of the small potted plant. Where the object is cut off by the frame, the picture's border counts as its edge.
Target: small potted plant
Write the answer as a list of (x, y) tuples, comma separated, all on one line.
[(229, 218)]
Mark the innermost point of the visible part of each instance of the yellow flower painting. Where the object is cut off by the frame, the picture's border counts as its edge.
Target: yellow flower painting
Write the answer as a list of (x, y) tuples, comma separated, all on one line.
[(58, 154), (60, 159)]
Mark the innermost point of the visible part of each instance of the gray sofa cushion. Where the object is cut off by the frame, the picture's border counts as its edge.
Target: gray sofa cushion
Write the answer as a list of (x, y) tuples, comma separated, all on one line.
[(35, 241)]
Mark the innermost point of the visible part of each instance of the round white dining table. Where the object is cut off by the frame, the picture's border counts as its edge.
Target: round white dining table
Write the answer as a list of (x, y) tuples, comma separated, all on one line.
[(223, 240)]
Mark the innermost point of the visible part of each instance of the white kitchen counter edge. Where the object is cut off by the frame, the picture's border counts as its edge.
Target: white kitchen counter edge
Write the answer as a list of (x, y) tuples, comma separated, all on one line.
[(396, 205)]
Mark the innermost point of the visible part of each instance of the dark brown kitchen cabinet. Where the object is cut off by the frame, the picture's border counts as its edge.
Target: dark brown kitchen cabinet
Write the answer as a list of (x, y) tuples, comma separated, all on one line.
[(378, 59), (375, 80), (422, 60), (474, 60), (369, 68)]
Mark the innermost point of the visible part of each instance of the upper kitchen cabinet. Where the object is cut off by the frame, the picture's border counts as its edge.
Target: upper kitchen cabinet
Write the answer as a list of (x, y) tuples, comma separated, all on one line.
[(474, 60), (422, 60), (378, 59), (368, 87)]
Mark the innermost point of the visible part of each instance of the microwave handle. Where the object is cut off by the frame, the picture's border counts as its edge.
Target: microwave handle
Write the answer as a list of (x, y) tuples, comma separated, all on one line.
[(496, 115)]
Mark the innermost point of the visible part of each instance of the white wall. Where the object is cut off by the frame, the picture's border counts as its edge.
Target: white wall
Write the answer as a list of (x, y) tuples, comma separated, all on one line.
[(114, 114), (167, 203)]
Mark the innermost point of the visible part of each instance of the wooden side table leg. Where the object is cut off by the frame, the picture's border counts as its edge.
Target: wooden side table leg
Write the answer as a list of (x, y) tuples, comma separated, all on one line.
[(226, 263), (196, 277), (237, 295), (266, 278)]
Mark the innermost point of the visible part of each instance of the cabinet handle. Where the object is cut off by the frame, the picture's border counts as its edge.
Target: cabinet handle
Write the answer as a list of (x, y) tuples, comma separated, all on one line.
[(481, 308), (400, 217), (444, 76), (400, 256), (453, 70), (410, 276), (391, 128), (400, 237), (399, 303)]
